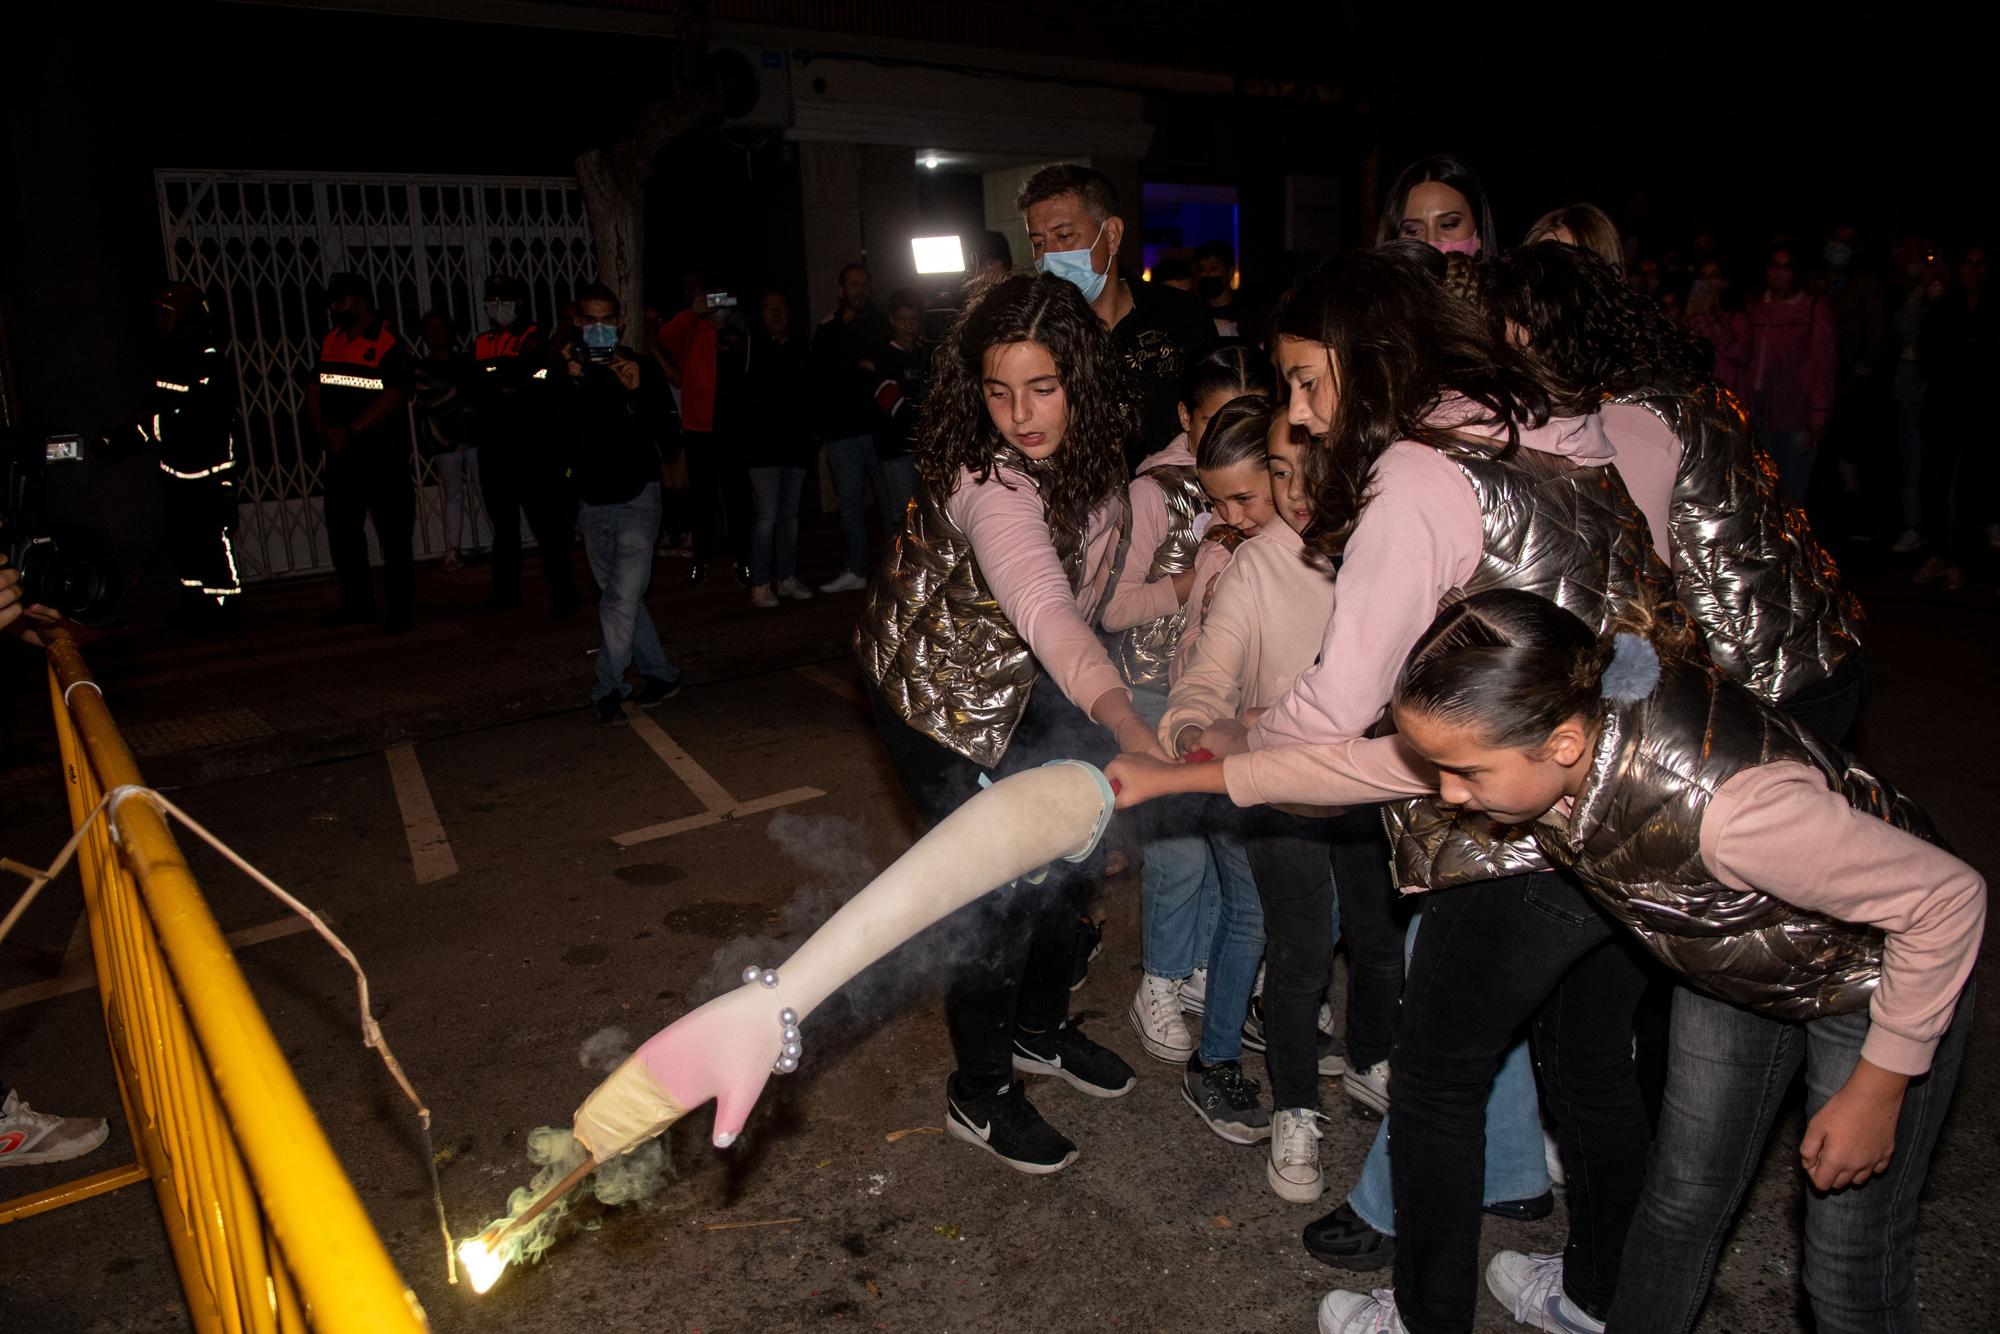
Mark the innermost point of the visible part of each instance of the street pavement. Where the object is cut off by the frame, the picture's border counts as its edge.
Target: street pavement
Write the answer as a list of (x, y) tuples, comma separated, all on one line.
[(518, 879)]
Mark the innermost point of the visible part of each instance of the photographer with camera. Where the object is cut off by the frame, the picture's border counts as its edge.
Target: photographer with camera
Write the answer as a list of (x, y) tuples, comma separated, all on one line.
[(611, 409), (354, 402), (700, 340), (519, 465), (191, 419)]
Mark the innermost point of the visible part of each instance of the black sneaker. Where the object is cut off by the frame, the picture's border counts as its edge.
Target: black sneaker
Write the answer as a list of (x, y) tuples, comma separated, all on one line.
[(1524, 1211), (611, 711), (1067, 1054), (1342, 1240), (1089, 944), (1253, 1033), (1006, 1125), (1227, 1101), (653, 692)]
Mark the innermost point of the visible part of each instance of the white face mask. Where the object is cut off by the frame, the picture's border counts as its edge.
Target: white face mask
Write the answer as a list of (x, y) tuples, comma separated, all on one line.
[(1074, 266), (501, 312)]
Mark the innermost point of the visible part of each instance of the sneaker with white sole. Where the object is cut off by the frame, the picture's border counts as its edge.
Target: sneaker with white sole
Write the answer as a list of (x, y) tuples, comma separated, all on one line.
[(1253, 1026), (790, 587), (1227, 1101), (1194, 993), (1294, 1167), (1067, 1054), (1332, 1061), (762, 596), (1006, 1125), (28, 1136), (1343, 1312), (1909, 541), (847, 581), (1156, 1017), (1368, 1087), (1530, 1286)]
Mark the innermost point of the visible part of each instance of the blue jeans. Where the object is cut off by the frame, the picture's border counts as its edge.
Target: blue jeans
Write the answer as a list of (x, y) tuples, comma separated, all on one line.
[(899, 483), (619, 539), (1179, 892), (1516, 1168), (1729, 1071), (1233, 950), (855, 466), (774, 536)]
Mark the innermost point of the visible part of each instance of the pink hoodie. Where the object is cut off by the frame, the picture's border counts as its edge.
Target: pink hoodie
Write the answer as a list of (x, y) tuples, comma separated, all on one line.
[(1419, 538), (1138, 599)]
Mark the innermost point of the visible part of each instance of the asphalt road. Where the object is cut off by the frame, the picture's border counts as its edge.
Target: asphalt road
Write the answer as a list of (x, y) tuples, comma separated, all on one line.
[(503, 937)]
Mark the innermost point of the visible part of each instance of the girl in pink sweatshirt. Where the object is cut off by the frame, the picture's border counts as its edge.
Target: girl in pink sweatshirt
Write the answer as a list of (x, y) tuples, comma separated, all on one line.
[(981, 655), (1179, 884), (1813, 912)]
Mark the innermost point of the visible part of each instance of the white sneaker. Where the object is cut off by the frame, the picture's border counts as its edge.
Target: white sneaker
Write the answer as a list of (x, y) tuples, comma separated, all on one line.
[(1343, 1312), (1294, 1166), (790, 587), (1156, 1017), (1552, 1155), (847, 582), (1194, 992), (762, 596), (28, 1136), (1368, 1087), (1531, 1288), (1908, 542)]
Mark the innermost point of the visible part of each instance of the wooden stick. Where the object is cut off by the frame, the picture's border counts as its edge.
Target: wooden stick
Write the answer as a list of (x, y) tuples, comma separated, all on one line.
[(761, 1222), (534, 1211)]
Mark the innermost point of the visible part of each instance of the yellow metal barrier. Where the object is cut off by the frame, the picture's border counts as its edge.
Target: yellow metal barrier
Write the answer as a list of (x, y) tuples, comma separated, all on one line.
[(266, 1230)]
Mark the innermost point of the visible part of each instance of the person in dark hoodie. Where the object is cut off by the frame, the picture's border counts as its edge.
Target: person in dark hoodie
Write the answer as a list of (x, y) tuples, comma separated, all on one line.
[(778, 448)]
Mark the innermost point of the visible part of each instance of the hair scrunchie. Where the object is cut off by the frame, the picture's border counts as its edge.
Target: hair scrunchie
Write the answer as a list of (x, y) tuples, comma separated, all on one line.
[(1633, 672)]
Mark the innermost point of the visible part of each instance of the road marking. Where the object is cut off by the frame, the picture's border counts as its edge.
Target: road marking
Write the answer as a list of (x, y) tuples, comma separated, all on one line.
[(755, 806), (710, 793), (821, 677), (430, 851), (81, 976)]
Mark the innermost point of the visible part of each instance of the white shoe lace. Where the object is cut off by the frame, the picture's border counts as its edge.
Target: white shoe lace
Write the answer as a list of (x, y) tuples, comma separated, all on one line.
[(1378, 1316), (1545, 1276), (1297, 1140), (1162, 998)]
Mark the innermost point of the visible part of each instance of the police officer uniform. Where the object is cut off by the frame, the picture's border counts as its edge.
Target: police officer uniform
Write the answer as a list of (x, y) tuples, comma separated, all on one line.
[(371, 477), (519, 467)]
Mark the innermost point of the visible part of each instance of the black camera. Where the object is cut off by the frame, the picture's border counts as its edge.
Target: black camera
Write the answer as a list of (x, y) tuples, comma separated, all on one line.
[(56, 572)]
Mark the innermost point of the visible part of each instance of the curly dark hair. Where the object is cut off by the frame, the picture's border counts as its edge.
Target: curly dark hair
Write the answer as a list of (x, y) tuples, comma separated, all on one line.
[(1587, 331), (956, 431), (1398, 343)]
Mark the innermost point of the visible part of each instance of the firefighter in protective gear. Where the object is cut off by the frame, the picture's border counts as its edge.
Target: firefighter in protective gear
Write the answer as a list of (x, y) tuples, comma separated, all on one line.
[(520, 468), (191, 419), (355, 404)]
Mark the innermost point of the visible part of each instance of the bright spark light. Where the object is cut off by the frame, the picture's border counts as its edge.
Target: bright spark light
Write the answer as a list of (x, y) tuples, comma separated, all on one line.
[(482, 1264)]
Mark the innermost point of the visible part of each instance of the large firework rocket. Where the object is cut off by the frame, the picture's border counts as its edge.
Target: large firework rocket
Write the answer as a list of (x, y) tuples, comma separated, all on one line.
[(728, 1048)]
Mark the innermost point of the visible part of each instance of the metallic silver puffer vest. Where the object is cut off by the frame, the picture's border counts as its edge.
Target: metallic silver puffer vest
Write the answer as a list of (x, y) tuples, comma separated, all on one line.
[(1143, 652), (1634, 840), (1765, 597), (934, 639), (1573, 535)]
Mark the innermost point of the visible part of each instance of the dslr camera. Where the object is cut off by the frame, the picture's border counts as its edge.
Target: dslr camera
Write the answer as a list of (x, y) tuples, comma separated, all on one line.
[(55, 572)]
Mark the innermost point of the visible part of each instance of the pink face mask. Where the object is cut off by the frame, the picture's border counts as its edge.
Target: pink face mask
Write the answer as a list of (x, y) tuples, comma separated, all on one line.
[(1466, 247)]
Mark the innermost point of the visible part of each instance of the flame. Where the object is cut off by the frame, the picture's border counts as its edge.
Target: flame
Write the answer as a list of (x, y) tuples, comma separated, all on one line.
[(483, 1264)]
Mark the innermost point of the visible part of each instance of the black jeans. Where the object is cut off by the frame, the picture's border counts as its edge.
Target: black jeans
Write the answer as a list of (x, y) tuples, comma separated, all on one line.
[(1015, 947), (718, 487), (1292, 861), (513, 479), (1491, 957), (1372, 920), (371, 479)]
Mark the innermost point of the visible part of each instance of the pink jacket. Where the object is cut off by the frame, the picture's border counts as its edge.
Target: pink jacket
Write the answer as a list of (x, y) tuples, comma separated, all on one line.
[(1778, 829), (1419, 538), (1138, 600), (1003, 519)]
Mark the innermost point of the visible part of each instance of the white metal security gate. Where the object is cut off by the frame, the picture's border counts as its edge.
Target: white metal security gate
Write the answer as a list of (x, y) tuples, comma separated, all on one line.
[(263, 244)]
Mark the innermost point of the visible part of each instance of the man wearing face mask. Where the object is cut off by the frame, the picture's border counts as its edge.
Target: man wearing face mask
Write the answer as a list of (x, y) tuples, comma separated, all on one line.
[(611, 410), (355, 406), (1214, 283), (1074, 229), (519, 467)]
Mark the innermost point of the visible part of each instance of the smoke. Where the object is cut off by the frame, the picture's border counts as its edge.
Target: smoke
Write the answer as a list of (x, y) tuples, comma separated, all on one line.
[(605, 1050), (556, 1153)]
